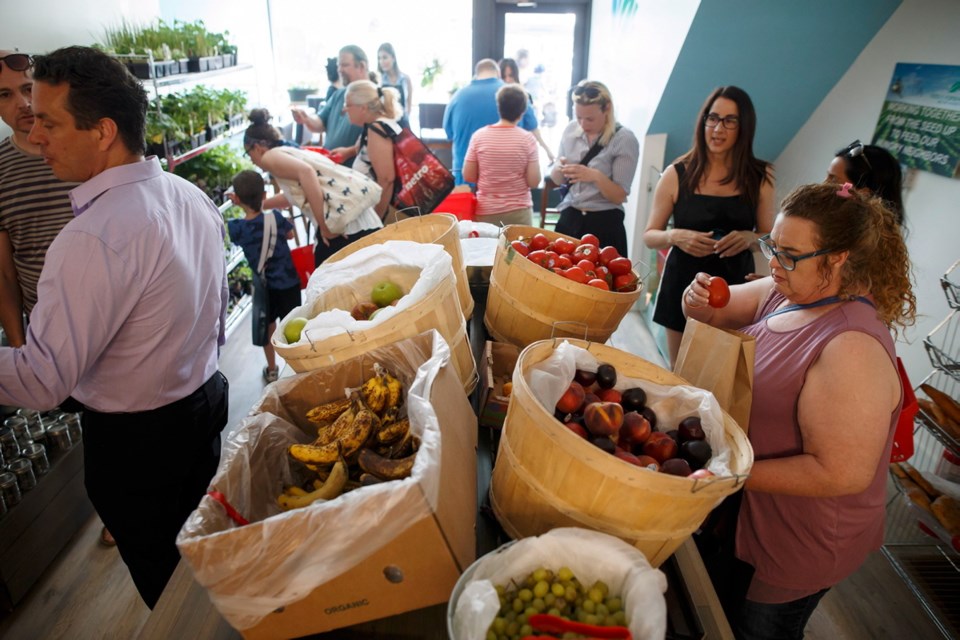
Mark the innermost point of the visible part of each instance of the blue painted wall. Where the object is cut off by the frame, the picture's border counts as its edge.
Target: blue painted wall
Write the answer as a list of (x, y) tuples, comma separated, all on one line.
[(787, 54)]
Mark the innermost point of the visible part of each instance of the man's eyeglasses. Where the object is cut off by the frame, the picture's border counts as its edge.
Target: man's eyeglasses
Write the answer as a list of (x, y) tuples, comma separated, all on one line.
[(855, 150), (786, 260), (729, 122), (17, 61)]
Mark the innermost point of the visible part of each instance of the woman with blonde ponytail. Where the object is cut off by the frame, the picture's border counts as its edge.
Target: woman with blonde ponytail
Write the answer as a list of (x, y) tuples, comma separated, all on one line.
[(826, 399)]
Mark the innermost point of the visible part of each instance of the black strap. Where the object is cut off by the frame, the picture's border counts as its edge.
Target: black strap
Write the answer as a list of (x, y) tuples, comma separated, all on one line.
[(593, 151)]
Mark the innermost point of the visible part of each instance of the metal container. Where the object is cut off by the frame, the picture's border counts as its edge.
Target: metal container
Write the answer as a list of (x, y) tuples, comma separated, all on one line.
[(23, 470), (37, 455), (58, 440), (9, 489), (9, 447)]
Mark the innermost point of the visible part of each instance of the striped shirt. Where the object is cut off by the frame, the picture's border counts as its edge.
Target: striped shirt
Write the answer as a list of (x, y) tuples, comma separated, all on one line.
[(617, 160), (502, 154), (34, 207)]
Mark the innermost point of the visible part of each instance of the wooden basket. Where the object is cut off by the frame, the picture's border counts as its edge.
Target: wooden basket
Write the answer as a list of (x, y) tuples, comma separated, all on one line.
[(436, 228), (527, 303), (546, 476), (439, 310)]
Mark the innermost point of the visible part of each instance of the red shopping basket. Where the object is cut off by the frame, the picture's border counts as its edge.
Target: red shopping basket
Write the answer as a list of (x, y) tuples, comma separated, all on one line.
[(303, 262), (462, 204)]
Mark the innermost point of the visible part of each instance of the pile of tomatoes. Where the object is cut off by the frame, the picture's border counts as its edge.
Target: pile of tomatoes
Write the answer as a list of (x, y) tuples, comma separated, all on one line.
[(582, 261)]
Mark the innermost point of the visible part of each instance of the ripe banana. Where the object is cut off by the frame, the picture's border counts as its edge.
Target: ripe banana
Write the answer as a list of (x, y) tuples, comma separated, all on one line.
[(404, 446), (329, 411), (330, 433), (393, 432), (348, 441), (294, 490), (385, 468), (367, 479), (332, 488), (374, 391), (394, 391)]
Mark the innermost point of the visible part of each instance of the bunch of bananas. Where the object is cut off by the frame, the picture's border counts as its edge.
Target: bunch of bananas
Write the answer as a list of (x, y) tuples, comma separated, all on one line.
[(365, 437)]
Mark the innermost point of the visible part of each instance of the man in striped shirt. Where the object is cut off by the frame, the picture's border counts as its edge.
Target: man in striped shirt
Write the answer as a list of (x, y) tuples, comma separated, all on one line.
[(34, 204)]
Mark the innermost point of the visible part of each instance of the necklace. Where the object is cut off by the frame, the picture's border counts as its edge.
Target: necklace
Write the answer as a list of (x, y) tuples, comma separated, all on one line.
[(817, 303)]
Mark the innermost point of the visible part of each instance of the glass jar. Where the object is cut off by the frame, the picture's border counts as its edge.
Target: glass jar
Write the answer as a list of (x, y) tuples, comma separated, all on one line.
[(9, 447), (20, 425), (23, 470), (72, 420), (9, 489), (58, 440), (38, 432), (37, 455), (3, 506)]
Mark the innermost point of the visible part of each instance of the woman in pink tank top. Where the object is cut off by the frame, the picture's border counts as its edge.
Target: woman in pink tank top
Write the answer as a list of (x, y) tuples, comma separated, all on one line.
[(826, 399)]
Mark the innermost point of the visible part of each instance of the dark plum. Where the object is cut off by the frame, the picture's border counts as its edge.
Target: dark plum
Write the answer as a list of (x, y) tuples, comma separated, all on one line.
[(606, 376), (633, 399)]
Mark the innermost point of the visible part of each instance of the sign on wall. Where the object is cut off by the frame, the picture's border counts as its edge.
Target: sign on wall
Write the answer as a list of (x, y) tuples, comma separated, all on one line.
[(920, 120)]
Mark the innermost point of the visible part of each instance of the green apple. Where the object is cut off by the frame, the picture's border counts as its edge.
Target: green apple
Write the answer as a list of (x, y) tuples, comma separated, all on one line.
[(293, 329), (385, 292)]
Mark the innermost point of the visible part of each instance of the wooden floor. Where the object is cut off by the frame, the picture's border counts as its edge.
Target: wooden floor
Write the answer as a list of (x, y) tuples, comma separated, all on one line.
[(87, 592)]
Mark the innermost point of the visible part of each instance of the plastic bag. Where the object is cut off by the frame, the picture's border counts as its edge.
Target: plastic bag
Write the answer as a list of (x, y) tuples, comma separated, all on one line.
[(550, 378), (471, 229), (590, 555), (281, 557)]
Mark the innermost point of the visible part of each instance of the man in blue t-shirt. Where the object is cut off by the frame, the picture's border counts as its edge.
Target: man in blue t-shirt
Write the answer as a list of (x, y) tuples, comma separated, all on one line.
[(339, 136), (279, 275), (475, 106)]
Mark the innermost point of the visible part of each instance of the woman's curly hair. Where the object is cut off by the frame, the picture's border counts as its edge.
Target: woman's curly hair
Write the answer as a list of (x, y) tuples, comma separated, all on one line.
[(878, 264)]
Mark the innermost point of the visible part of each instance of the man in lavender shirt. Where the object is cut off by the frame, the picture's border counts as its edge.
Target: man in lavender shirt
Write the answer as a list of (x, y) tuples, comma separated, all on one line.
[(132, 301)]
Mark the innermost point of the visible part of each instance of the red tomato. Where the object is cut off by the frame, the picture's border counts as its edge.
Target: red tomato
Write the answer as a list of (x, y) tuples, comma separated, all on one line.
[(589, 238), (719, 292), (607, 254), (602, 272), (558, 271), (520, 247), (538, 242), (620, 266), (586, 251), (576, 274), (564, 261), (586, 265), (540, 258), (625, 283), (599, 284), (563, 245)]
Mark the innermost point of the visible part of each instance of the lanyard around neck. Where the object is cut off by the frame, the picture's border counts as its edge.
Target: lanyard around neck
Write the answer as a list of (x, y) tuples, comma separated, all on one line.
[(819, 303)]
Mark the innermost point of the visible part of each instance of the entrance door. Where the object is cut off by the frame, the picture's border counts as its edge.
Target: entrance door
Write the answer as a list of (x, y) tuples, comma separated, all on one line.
[(549, 43)]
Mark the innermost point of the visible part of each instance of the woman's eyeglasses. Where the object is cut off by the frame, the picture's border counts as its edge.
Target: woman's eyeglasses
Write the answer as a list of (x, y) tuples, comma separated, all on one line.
[(786, 260), (855, 150), (17, 61), (713, 119), (585, 94)]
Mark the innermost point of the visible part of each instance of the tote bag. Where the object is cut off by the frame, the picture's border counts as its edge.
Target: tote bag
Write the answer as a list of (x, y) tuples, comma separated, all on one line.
[(422, 181), (720, 361)]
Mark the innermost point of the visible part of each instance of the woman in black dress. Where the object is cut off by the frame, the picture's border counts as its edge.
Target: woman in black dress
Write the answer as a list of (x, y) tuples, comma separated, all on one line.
[(721, 199)]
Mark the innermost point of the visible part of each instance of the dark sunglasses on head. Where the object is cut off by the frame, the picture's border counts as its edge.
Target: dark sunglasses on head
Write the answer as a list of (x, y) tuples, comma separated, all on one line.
[(591, 93), (855, 150), (17, 61)]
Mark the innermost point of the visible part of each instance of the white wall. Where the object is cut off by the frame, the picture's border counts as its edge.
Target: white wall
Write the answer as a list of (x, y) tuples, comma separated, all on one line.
[(922, 31), (634, 56)]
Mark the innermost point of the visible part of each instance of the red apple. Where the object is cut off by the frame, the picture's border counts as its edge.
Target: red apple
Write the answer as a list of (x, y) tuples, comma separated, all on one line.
[(660, 447), (603, 418), (572, 398)]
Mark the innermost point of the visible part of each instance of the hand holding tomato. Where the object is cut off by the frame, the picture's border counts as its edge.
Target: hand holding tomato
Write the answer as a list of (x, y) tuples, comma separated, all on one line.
[(707, 290), (719, 292)]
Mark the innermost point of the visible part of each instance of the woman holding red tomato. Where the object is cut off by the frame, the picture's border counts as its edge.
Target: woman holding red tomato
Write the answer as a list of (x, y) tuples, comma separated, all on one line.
[(595, 164), (721, 200), (826, 399)]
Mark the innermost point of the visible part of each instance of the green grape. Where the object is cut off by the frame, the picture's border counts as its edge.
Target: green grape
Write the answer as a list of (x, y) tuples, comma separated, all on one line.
[(525, 595), (553, 611), (541, 589), (602, 611), (530, 611), (570, 594), (596, 595), (500, 589), (558, 589), (581, 615), (549, 599), (511, 616), (491, 635), (518, 605), (614, 604), (609, 621), (521, 619), (589, 606), (564, 574), (620, 618), (591, 619), (540, 575), (600, 584), (539, 604), (513, 628), (499, 625), (526, 630)]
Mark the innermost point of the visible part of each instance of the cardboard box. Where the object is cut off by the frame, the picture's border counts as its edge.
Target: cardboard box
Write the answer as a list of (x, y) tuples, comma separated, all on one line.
[(499, 360), (416, 567)]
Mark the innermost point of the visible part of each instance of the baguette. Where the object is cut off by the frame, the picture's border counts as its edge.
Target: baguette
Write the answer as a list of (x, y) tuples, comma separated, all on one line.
[(920, 498), (919, 480), (941, 419), (947, 511), (949, 406), (897, 471)]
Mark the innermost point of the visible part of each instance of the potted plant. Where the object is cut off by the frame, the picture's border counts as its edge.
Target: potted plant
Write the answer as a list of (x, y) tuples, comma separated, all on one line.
[(163, 133), (299, 91)]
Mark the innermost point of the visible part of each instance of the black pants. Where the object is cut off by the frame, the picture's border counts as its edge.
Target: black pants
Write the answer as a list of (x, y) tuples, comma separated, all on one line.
[(145, 473), (321, 251), (606, 225)]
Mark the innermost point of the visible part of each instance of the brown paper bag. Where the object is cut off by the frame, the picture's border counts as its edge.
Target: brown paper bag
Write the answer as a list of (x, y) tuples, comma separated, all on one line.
[(720, 361)]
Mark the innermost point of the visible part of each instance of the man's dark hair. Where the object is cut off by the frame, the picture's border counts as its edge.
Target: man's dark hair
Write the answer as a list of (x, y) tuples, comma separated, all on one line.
[(248, 185), (100, 87), (511, 102)]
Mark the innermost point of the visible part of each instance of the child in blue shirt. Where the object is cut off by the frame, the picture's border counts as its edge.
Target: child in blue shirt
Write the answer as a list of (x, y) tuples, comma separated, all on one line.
[(279, 276)]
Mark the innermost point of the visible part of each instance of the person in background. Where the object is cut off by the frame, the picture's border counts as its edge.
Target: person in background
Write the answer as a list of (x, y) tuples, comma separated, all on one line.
[(333, 77), (502, 160), (376, 109), (130, 312), (596, 163), (339, 136), (391, 76), (813, 506), (279, 275), (871, 169), (721, 199), (475, 106), (293, 170), (510, 73)]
